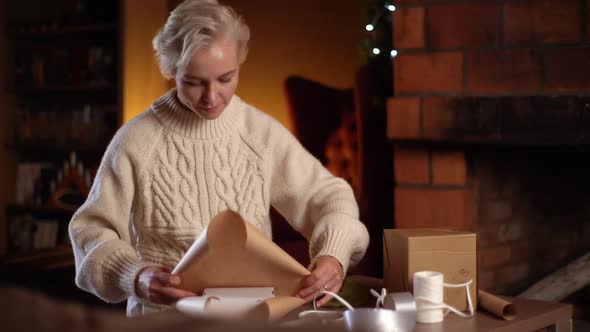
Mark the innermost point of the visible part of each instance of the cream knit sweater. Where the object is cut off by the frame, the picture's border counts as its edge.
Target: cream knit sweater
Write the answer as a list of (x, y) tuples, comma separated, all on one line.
[(167, 172)]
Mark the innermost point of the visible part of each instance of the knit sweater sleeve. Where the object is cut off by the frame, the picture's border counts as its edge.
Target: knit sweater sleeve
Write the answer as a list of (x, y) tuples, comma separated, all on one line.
[(319, 205), (106, 263)]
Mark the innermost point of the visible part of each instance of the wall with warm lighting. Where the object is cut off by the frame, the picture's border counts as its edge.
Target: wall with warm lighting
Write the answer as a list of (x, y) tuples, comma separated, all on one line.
[(314, 39), (142, 82)]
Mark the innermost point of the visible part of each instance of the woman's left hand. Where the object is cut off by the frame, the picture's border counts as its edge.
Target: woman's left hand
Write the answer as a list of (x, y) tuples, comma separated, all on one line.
[(326, 274)]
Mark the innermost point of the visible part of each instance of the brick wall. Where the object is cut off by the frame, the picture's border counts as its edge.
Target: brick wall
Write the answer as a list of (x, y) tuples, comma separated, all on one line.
[(452, 50), (484, 47), (431, 188)]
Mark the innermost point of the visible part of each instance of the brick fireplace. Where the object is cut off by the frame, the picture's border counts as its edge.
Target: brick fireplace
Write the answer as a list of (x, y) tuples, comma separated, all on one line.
[(490, 121)]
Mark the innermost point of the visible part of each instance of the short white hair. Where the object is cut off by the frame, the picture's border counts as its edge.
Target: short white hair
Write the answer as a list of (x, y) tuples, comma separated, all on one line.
[(194, 25)]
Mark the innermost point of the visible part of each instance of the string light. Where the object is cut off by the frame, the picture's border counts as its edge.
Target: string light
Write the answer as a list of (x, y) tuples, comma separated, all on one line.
[(378, 39), (378, 50)]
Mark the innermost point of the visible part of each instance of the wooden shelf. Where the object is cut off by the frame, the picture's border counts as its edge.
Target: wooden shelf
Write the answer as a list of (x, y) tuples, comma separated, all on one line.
[(44, 259), (67, 95), (99, 89), (46, 32), (42, 210), (65, 88), (55, 147)]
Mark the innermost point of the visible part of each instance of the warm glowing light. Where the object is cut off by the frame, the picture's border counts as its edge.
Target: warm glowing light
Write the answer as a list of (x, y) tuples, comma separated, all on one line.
[(369, 27)]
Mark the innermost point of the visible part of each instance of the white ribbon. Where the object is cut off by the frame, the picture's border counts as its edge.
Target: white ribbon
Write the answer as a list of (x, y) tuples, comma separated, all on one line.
[(380, 297), (382, 318), (325, 312)]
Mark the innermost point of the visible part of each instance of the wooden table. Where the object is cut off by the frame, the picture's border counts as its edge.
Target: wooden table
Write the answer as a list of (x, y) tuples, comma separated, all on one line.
[(531, 316)]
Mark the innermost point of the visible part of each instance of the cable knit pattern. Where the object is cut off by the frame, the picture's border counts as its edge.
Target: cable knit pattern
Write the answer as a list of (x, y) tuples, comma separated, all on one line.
[(166, 181), (167, 173)]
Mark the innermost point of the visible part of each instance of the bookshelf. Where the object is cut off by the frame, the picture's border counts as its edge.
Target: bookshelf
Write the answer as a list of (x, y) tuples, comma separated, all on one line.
[(62, 73)]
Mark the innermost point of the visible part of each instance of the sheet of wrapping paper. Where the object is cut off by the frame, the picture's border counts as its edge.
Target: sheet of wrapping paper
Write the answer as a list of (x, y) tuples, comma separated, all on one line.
[(231, 252), (495, 305), (249, 292), (219, 306)]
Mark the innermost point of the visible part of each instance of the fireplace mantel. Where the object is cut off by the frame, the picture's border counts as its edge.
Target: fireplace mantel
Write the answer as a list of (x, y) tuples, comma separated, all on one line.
[(518, 120)]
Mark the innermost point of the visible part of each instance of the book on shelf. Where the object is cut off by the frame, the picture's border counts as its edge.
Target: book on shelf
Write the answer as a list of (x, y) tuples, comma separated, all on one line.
[(73, 66), (28, 233), (31, 182), (85, 124), (45, 234)]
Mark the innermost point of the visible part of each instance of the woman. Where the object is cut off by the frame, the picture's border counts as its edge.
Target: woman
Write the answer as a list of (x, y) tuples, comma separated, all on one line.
[(197, 151)]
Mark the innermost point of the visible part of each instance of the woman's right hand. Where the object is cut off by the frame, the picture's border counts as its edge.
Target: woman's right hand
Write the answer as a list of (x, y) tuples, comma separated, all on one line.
[(158, 285)]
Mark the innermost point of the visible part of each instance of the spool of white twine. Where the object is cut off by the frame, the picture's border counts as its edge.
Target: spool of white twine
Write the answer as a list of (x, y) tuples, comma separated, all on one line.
[(428, 291)]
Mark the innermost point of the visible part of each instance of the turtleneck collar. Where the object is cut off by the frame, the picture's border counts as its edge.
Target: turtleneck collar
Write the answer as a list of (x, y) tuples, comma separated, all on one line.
[(181, 120)]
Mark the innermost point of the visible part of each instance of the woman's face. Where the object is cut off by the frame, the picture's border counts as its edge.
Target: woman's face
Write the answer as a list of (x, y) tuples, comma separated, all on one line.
[(209, 81)]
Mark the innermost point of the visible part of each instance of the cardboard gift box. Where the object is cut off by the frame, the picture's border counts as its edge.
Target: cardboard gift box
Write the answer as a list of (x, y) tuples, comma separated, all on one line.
[(452, 253)]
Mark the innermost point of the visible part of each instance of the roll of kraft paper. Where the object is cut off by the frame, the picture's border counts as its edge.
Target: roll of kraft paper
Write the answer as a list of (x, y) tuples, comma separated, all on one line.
[(496, 305)]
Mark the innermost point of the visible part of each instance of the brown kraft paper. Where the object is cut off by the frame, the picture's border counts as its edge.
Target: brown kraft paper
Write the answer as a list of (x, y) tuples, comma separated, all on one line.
[(496, 306), (231, 252)]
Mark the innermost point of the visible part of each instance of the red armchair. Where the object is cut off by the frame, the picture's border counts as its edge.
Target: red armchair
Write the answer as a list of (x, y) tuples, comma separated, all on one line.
[(340, 128)]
